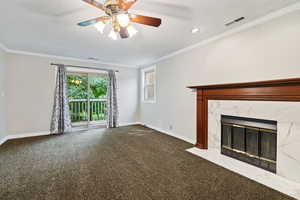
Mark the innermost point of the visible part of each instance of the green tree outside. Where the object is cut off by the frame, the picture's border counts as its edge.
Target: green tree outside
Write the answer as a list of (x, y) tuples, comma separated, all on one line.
[(78, 89), (78, 86)]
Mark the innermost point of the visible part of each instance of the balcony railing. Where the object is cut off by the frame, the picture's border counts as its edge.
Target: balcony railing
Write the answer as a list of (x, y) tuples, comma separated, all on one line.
[(79, 110)]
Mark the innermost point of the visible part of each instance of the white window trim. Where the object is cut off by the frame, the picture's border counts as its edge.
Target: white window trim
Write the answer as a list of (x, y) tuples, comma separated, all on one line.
[(143, 71)]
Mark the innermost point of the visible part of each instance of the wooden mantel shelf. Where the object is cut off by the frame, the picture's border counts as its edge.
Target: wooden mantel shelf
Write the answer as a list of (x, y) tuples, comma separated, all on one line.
[(250, 84), (272, 90)]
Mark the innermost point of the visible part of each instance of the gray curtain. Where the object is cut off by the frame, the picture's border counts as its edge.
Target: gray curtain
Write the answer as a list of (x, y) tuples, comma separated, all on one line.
[(112, 102), (61, 121)]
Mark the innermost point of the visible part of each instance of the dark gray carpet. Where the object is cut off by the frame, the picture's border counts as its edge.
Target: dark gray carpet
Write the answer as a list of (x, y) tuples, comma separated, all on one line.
[(126, 163)]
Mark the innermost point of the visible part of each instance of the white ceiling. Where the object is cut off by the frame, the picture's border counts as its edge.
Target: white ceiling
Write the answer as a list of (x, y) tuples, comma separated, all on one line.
[(49, 27)]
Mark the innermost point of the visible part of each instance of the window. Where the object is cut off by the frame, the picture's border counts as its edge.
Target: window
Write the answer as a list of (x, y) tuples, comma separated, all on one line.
[(149, 84)]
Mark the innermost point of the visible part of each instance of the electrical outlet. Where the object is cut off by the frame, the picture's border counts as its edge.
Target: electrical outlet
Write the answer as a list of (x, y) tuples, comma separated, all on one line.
[(170, 127)]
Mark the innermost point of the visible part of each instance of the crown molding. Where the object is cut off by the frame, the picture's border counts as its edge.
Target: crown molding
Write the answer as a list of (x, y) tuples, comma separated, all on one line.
[(3, 47), (68, 58), (12, 51), (259, 21)]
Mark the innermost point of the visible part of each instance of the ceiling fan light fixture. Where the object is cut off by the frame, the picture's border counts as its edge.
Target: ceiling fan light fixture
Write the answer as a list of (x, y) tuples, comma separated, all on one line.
[(119, 18), (100, 27), (123, 19), (131, 31), (113, 35)]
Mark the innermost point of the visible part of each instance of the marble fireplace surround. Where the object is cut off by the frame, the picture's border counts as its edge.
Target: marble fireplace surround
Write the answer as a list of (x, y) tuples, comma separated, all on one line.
[(288, 129), (277, 100)]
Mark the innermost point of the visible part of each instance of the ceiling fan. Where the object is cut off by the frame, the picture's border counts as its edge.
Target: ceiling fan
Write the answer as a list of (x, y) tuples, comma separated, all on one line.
[(119, 17)]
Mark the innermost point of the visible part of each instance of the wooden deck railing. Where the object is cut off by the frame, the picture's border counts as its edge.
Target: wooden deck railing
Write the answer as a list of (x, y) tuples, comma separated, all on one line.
[(79, 109)]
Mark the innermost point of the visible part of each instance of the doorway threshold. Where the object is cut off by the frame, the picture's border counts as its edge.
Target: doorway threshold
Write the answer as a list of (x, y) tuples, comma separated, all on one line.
[(92, 125)]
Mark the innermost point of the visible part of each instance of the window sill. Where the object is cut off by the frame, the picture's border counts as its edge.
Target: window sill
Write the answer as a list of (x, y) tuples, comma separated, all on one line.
[(149, 102)]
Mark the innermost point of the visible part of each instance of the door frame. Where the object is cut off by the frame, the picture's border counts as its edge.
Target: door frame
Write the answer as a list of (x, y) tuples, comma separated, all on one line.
[(88, 74)]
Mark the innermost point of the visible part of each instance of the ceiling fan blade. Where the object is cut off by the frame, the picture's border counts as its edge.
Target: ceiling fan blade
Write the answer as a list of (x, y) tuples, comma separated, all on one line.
[(124, 33), (94, 21), (125, 5), (150, 21), (95, 4)]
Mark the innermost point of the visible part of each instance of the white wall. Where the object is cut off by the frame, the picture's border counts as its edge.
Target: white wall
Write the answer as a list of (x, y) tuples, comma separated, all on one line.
[(3, 67), (30, 88), (268, 51)]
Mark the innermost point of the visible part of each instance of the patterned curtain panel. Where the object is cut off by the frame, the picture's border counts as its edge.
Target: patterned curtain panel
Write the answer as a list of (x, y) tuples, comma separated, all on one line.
[(61, 121), (112, 102)]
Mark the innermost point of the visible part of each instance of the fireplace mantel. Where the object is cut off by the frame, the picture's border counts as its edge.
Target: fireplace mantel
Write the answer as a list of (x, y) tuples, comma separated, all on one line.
[(272, 90)]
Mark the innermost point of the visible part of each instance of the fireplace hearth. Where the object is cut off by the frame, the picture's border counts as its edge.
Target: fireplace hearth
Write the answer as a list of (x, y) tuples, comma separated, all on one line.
[(253, 141)]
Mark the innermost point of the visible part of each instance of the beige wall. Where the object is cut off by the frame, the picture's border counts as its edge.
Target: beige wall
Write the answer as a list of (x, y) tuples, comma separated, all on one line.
[(30, 89), (268, 51), (3, 67)]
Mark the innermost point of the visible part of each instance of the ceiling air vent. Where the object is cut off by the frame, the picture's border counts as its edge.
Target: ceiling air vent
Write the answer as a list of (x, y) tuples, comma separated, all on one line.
[(235, 21)]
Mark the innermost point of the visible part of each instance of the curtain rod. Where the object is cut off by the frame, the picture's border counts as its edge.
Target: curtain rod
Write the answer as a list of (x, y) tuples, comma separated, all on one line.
[(82, 67)]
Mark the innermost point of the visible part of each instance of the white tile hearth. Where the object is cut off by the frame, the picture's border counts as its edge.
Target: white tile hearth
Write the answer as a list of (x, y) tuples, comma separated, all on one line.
[(287, 178), (254, 173)]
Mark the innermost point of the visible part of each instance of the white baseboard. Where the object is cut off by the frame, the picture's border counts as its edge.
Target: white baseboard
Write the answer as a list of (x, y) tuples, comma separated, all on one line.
[(26, 135), (3, 140), (171, 134), (23, 135), (130, 124), (43, 133)]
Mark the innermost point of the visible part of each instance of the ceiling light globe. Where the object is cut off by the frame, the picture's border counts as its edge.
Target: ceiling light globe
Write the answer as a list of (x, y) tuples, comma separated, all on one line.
[(100, 26), (123, 20), (131, 31), (113, 35)]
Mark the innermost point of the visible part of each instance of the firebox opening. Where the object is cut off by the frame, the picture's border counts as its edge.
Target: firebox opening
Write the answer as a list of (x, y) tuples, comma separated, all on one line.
[(253, 141)]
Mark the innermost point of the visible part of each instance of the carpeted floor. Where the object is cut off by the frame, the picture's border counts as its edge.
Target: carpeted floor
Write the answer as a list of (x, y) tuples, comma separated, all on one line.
[(126, 163)]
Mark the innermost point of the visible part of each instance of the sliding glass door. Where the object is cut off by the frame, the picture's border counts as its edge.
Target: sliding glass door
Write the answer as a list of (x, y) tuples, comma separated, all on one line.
[(87, 98)]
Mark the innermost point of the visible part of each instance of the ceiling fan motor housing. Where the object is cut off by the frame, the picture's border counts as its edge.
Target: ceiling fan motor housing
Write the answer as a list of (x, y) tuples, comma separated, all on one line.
[(112, 7)]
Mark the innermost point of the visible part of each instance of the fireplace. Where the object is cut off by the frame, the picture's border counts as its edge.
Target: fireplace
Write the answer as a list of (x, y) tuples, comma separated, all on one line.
[(253, 141), (275, 99)]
